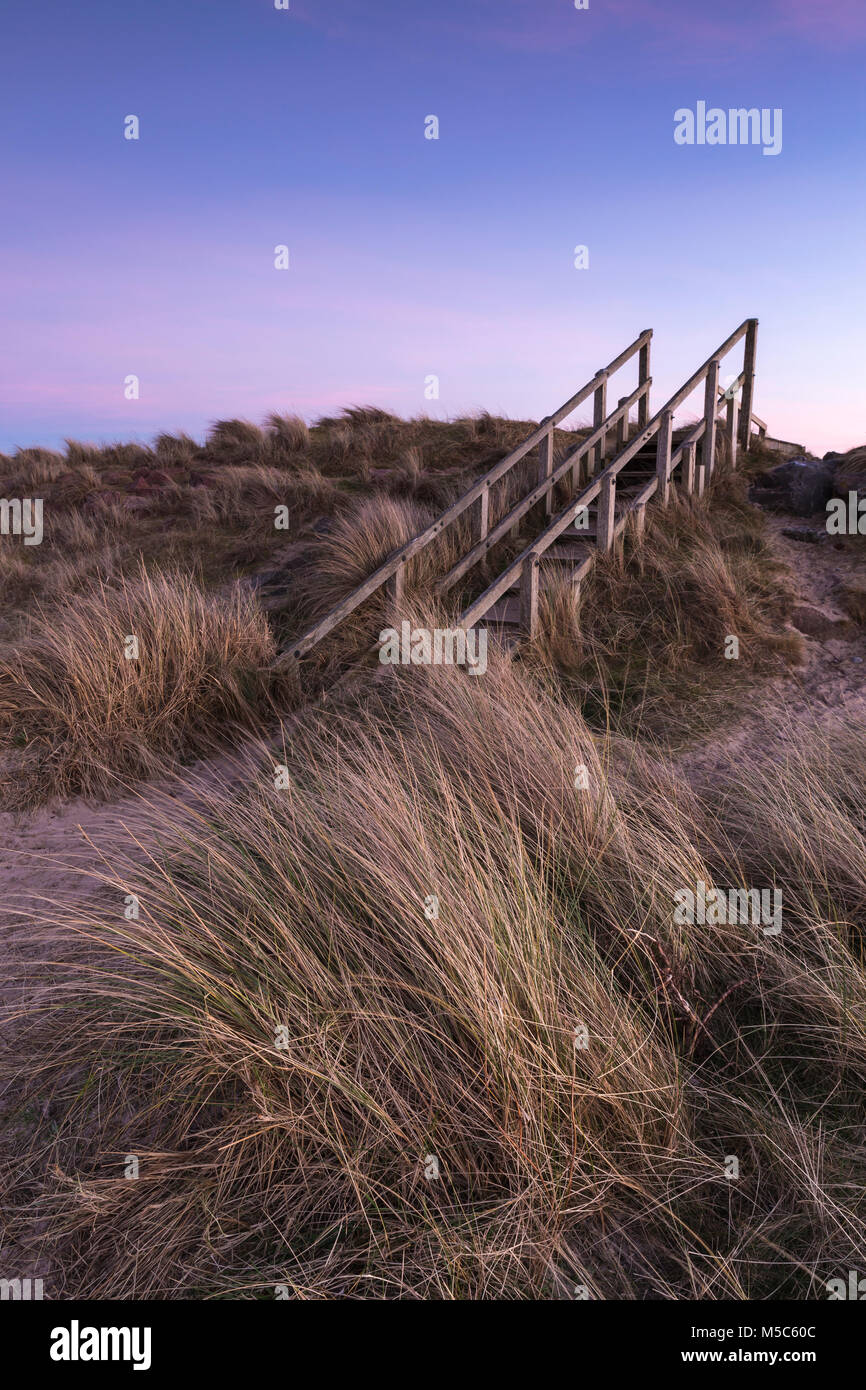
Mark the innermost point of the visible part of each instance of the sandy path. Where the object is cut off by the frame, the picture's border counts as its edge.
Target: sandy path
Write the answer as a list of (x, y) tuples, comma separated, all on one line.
[(832, 677)]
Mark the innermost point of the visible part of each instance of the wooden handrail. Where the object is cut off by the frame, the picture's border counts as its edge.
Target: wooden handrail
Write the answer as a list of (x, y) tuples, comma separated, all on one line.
[(390, 573), (389, 567), (485, 601), (538, 493), (725, 392)]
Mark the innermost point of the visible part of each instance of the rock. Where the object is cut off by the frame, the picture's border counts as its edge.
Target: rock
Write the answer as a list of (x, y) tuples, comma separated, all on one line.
[(803, 533), (818, 620), (799, 485)]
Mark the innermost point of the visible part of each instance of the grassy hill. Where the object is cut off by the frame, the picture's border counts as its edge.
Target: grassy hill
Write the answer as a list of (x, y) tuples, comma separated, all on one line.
[(405, 1007)]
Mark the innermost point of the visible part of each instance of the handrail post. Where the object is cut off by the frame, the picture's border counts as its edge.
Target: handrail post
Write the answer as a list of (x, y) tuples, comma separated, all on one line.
[(576, 471), (711, 406), (733, 417), (622, 426), (688, 468), (529, 596), (606, 513), (663, 456), (748, 402), (643, 376), (394, 589), (545, 466), (598, 414), (484, 514)]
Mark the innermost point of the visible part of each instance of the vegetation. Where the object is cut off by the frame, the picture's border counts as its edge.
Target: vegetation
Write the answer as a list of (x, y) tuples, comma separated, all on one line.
[(406, 1010)]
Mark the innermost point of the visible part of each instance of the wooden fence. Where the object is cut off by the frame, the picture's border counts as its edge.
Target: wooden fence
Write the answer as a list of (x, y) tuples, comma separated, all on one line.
[(735, 404)]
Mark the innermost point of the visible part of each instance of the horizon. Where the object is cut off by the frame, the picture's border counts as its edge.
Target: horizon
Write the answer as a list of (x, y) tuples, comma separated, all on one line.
[(412, 257)]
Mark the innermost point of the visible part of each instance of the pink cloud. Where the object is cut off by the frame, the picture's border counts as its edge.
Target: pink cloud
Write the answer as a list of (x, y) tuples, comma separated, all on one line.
[(677, 26), (833, 21)]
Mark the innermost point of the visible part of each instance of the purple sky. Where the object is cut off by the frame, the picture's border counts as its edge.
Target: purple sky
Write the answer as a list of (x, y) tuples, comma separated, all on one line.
[(413, 257)]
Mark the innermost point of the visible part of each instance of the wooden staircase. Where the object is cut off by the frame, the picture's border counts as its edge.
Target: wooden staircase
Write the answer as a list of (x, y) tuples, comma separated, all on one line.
[(576, 545), (609, 476)]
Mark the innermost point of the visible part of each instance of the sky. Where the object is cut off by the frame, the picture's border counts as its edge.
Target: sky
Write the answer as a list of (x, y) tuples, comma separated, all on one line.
[(411, 258)]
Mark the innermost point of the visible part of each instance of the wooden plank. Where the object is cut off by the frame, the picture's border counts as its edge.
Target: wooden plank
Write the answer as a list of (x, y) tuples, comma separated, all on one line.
[(606, 513), (644, 375), (695, 380), (505, 610), (390, 566), (692, 437), (599, 411), (663, 456), (731, 429), (567, 553), (612, 367), (529, 596), (689, 468), (576, 473), (661, 424), (622, 426), (646, 493), (484, 514), (726, 392), (503, 582), (738, 386), (711, 394), (394, 590), (749, 360), (545, 469), (511, 520), (375, 581)]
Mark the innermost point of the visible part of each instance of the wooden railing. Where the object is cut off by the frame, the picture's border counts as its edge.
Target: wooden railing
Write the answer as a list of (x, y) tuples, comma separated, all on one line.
[(525, 568), (389, 575), (599, 483)]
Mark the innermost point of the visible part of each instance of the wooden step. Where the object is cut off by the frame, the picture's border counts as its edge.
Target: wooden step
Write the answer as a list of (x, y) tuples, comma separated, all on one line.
[(568, 554), (573, 551), (504, 610)]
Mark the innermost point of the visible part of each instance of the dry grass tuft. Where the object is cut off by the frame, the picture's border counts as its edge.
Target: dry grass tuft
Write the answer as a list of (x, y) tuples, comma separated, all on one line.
[(290, 1032), (653, 617), (83, 716)]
